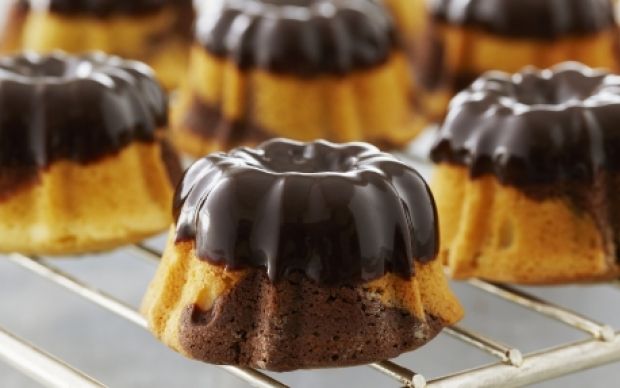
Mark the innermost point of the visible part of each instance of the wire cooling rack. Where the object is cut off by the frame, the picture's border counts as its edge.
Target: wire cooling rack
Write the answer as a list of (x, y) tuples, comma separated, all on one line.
[(600, 343)]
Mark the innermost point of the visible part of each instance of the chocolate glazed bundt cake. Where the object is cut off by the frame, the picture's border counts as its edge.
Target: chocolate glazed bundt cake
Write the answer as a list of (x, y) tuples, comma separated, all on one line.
[(158, 32), (528, 177), (303, 69), (300, 255), (83, 162), (466, 38)]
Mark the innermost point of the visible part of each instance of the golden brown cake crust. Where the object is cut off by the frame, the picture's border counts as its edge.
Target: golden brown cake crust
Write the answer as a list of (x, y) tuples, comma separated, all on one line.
[(249, 106), (74, 208), (500, 233), (159, 36)]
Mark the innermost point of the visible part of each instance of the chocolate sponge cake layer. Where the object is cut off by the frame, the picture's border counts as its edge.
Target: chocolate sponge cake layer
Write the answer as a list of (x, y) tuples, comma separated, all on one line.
[(295, 323)]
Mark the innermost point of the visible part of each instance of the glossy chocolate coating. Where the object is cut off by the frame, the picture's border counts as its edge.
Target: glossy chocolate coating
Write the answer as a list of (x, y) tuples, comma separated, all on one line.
[(536, 19), (300, 37), (77, 108), (535, 127), (340, 214), (104, 8)]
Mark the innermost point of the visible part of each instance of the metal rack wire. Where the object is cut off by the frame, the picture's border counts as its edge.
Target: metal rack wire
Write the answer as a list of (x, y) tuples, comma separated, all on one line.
[(601, 344)]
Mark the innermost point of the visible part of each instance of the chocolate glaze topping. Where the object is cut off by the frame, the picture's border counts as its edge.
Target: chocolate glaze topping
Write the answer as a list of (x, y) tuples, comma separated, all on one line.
[(103, 8), (537, 19), (300, 37), (77, 108), (340, 214), (535, 127)]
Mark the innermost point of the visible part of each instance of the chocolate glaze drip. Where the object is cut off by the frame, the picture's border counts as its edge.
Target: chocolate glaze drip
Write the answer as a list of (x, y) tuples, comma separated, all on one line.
[(340, 214), (300, 37), (105, 8), (77, 108), (535, 127), (536, 19)]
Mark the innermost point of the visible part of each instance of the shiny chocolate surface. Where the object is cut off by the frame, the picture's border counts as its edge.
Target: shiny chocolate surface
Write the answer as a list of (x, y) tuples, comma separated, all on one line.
[(103, 8), (535, 127), (299, 37), (76, 108), (340, 214), (537, 19)]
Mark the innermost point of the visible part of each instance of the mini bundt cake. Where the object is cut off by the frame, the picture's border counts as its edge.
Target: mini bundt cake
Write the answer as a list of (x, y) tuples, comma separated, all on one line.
[(303, 69), (158, 32), (300, 255), (466, 38), (83, 162), (529, 176)]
